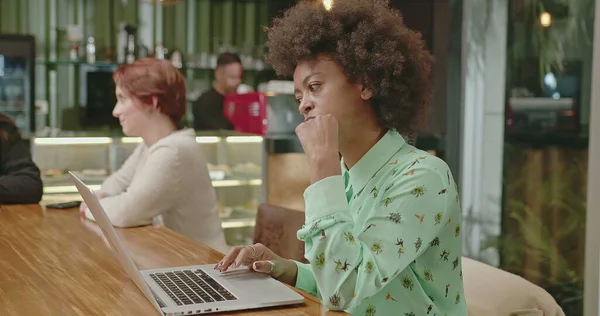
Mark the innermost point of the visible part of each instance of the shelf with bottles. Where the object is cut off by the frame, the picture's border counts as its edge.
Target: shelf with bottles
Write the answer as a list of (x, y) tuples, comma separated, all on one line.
[(189, 65), (12, 106), (9, 75)]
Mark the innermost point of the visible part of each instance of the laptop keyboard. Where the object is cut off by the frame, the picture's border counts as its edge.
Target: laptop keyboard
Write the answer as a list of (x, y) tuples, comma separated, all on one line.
[(189, 287)]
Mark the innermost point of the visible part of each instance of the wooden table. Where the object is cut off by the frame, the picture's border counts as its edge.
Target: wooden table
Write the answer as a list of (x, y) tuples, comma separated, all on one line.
[(52, 262)]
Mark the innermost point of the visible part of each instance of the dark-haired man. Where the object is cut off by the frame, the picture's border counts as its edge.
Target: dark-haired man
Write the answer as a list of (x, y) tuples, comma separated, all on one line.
[(208, 109), (20, 180)]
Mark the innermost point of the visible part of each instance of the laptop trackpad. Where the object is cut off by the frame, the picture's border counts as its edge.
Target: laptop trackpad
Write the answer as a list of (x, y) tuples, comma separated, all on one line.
[(249, 283)]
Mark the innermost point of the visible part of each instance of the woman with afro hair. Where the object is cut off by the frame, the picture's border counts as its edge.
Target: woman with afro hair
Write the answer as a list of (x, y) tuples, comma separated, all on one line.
[(382, 230)]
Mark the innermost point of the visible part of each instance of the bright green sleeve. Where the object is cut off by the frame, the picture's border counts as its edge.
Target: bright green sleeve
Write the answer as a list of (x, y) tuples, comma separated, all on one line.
[(305, 280), (353, 261)]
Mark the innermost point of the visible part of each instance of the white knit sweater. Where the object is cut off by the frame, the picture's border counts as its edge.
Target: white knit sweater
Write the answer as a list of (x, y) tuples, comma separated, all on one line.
[(166, 183)]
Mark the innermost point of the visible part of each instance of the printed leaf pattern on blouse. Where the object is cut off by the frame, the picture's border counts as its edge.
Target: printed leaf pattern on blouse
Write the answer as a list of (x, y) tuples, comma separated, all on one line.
[(409, 213)]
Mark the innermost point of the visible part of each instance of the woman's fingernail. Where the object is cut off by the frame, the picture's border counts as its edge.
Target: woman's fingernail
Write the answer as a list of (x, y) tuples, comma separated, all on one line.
[(235, 264)]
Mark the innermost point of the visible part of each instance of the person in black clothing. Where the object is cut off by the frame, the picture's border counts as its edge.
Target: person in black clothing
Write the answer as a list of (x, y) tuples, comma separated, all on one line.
[(20, 181), (208, 109)]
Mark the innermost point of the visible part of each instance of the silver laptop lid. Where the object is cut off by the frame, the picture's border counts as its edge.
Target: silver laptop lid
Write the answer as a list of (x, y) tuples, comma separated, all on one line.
[(92, 202)]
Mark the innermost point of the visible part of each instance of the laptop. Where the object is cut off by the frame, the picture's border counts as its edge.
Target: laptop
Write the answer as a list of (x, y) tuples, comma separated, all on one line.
[(192, 290)]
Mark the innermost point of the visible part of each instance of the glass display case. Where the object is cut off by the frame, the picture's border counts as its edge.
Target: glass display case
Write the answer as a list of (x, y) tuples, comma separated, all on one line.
[(17, 71), (234, 162)]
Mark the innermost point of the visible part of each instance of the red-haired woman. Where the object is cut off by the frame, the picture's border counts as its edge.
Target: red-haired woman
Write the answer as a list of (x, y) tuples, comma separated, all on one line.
[(20, 181), (165, 179)]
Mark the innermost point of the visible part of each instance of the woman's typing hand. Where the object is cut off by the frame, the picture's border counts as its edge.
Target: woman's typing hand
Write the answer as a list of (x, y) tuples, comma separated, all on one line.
[(260, 259)]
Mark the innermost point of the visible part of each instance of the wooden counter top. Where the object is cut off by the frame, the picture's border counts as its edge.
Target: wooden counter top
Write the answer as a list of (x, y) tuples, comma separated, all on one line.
[(52, 262)]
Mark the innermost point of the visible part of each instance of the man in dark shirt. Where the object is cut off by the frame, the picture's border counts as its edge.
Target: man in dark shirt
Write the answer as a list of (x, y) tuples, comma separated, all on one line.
[(208, 109), (20, 180)]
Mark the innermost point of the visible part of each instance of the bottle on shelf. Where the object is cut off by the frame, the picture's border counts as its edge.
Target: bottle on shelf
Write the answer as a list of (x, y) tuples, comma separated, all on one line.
[(121, 43), (130, 48), (160, 51), (75, 37), (90, 48), (130, 58), (177, 59)]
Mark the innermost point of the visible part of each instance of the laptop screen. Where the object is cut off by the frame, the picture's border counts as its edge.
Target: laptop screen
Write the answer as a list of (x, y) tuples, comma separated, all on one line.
[(91, 200)]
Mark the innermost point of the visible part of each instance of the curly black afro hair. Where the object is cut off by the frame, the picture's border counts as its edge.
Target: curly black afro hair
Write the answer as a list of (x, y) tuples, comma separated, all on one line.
[(370, 42)]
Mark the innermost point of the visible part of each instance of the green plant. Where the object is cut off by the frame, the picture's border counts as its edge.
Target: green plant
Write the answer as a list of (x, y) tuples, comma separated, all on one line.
[(571, 29), (544, 222)]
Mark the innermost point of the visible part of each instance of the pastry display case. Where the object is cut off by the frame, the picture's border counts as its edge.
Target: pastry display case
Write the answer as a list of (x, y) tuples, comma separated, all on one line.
[(234, 160)]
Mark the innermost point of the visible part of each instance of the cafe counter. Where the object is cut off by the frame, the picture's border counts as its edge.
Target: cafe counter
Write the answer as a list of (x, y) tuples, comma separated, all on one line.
[(235, 163)]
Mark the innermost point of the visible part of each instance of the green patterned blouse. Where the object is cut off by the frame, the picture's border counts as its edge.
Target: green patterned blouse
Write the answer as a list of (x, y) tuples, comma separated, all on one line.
[(384, 237)]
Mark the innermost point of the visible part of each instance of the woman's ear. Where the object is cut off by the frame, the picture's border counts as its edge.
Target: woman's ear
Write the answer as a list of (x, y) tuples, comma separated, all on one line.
[(365, 93)]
